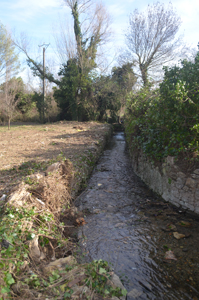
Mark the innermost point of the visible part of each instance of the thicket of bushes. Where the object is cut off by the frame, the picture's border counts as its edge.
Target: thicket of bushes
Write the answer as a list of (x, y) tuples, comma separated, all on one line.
[(165, 121), (100, 98)]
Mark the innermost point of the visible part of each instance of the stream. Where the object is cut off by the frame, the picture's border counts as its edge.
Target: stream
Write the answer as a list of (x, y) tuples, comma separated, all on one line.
[(124, 226)]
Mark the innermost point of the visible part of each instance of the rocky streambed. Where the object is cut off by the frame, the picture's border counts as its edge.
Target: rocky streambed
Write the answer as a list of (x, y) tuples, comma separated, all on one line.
[(152, 245)]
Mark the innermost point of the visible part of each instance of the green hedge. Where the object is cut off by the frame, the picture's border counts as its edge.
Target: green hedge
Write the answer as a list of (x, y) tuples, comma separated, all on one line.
[(165, 121)]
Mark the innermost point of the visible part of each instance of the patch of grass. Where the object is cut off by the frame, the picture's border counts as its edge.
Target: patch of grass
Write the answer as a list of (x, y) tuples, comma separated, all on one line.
[(29, 181)]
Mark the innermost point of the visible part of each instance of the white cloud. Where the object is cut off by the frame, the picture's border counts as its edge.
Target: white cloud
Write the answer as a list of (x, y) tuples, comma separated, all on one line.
[(23, 11), (32, 4)]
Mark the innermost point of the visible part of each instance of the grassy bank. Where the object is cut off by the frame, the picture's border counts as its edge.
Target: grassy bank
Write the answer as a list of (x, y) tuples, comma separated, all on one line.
[(51, 165)]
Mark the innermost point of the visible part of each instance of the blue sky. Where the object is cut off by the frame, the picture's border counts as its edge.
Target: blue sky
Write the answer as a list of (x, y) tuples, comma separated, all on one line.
[(37, 18)]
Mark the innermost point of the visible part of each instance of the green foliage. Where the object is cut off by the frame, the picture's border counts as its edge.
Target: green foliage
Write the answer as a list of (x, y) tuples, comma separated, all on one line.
[(37, 70), (165, 121), (24, 100), (99, 275), (77, 27), (38, 98), (43, 105), (15, 232), (25, 103), (92, 97), (29, 181), (124, 78), (105, 99), (72, 90), (81, 95)]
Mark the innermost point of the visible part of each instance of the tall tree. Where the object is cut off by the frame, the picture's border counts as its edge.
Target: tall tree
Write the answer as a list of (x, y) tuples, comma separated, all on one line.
[(90, 31), (9, 62), (24, 98), (151, 38), (108, 93), (66, 94), (124, 77)]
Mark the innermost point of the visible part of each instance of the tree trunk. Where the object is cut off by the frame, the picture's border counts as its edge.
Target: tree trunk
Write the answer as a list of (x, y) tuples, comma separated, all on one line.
[(8, 123), (143, 70)]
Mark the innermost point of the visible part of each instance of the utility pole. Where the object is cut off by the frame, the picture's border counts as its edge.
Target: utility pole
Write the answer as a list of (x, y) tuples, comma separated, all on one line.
[(45, 46)]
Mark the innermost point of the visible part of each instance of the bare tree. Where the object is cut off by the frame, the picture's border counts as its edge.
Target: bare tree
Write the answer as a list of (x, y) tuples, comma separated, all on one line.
[(23, 43), (84, 42), (65, 41), (151, 38), (8, 101), (91, 31)]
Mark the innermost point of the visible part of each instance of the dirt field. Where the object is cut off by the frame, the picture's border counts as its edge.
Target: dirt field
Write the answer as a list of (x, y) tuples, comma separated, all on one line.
[(38, 217), (27, 149)]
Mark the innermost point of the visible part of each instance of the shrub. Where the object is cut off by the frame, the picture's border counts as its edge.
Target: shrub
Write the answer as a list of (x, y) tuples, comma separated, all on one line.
[(166, 121)]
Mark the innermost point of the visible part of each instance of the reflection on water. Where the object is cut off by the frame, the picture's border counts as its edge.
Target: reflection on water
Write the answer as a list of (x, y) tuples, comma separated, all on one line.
[(118, 232)]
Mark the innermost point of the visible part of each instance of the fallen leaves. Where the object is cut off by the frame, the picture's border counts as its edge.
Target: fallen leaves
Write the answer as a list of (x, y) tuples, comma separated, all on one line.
[(35, 252), (170, 255), (80, 221), (185, 224), (76, 280), (178, 236), (171, 227)]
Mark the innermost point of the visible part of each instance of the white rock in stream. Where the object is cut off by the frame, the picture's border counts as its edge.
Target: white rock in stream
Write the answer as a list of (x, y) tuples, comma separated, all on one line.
[(115, 280), (3, 197), (134, 293)]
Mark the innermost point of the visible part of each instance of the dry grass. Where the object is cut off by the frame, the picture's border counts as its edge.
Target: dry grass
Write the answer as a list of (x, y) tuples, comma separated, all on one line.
[(27, 149), (42, 167)]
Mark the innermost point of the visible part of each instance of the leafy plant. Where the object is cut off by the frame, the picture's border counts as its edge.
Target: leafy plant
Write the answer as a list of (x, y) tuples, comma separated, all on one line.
[(165, 121), (17, 227), (99, 275)]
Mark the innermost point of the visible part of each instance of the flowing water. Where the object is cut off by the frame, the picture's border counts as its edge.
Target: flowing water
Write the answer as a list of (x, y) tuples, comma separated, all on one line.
[(119, 232)]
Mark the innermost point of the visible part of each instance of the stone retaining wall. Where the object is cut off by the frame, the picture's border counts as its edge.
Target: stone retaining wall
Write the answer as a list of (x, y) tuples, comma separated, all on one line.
[(169, 181)]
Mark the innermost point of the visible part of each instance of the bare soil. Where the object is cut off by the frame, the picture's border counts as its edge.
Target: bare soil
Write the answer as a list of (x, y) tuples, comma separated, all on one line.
[(26, 149), (46, 166)]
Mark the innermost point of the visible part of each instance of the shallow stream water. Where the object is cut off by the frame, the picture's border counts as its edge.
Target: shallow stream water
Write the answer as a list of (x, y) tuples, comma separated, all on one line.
[(119, 231)]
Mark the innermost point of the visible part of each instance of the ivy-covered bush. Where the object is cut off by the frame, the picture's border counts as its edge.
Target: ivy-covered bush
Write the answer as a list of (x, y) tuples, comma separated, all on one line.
[(165, 121)]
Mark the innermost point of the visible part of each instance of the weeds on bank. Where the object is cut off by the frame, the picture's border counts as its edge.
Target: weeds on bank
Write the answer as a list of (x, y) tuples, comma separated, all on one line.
[(99, 275), (18, 227)]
